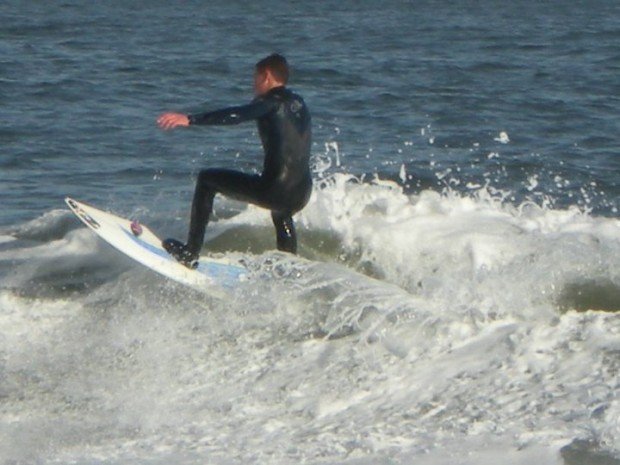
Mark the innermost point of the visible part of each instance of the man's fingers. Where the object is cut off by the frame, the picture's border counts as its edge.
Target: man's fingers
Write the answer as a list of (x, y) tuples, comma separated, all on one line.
[(166, 121), (172, 120)]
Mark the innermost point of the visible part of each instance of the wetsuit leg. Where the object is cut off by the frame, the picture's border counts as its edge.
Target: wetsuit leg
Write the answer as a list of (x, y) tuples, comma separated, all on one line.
[(248, 188), (230, 183), (285, 231)]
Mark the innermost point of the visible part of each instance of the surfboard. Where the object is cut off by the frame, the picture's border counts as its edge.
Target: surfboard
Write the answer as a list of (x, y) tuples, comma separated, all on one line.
[(138, 242)]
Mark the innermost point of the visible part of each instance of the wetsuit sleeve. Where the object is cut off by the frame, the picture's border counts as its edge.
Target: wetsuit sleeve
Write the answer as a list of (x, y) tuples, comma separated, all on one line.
[(233, 115)]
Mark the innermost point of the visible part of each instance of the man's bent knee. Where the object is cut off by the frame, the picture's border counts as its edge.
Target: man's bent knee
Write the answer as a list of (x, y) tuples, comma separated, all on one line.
[(204, 176)]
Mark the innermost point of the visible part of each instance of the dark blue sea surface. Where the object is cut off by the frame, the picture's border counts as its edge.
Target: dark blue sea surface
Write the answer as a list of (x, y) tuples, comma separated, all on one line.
[(426, 84), (456, 295)]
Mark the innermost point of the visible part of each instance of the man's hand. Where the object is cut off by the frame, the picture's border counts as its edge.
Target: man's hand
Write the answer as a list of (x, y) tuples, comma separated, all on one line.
[(172, 120)]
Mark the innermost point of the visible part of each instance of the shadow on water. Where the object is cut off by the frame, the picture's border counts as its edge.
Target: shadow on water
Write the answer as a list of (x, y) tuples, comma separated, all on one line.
[(245, 238), (590, 295), (313, 245), (586, 453)]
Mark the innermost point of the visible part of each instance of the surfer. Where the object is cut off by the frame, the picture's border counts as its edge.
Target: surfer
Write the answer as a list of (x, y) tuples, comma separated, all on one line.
[(284, 186)]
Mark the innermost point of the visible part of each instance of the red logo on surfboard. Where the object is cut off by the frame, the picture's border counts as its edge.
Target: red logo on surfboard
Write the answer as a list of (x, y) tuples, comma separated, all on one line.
[(136, 228)]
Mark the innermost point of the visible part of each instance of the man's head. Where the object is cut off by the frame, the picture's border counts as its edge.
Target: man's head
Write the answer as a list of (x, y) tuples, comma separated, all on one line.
[(270, 72)]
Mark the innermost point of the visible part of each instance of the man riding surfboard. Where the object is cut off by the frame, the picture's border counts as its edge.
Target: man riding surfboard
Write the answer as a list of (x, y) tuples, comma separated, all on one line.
[(284, 186)]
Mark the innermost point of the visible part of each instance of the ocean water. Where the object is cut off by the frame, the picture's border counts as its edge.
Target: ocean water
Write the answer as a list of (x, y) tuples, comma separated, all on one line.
[(456, 295)]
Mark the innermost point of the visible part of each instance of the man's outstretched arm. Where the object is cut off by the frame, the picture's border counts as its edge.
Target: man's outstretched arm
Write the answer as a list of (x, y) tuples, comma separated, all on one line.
[(226, 116)]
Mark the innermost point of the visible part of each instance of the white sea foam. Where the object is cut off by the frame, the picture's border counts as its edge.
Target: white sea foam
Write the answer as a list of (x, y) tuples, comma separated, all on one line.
[(436, 335), (4, 239)]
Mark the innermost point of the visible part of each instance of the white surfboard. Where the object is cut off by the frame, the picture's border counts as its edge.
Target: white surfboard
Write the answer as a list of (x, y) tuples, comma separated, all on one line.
[(139, 243)]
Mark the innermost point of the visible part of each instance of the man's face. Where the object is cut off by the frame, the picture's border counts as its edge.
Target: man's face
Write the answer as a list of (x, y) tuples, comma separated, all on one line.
[(260, 82)]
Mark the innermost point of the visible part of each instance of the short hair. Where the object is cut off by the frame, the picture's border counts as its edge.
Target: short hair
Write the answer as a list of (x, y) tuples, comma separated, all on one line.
[(275, 63)]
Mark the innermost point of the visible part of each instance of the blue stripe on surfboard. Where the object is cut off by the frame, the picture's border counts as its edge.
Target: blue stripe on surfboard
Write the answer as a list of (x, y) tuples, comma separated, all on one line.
[(145, 245), (227, 275)]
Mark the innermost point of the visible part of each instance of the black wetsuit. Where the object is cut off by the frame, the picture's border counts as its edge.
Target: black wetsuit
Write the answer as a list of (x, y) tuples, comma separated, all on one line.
[(284, 187)]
